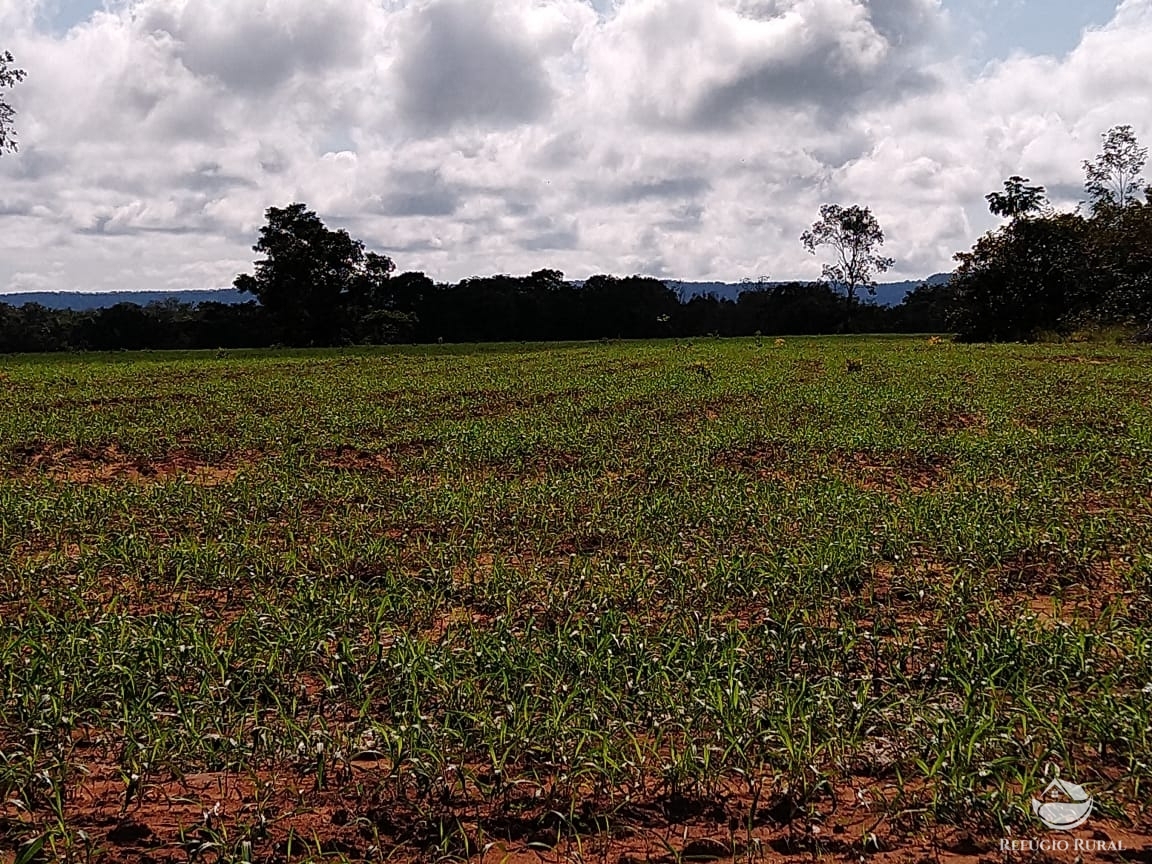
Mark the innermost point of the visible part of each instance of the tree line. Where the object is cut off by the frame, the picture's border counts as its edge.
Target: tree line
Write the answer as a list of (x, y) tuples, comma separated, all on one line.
[(1043, 271), (1051, 272), (538, 307)]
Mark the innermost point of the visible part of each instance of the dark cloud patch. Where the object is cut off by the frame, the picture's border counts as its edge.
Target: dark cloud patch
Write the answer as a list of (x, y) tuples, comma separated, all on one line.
[(107, 226), (211, 178), (560, 151), (904, 22), (463, 68), (34, 163), (166, 109), (545, 233), (522, 199), (687, 217), (820, 61), (140, 97), (519, 207), (272, 160), (189, 187), (188, 122), (16, 207), (248, 49), (1066, 192), (118, 180), (418, 193), (561, 239), (811, 81), (668, 187), (835, 151)]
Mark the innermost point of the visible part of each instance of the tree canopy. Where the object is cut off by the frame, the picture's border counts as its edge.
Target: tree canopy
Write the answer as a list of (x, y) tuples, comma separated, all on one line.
[(1113, 179), (9, 77), (311, 277), (1047, 271), (1018, 199), (854, 235)]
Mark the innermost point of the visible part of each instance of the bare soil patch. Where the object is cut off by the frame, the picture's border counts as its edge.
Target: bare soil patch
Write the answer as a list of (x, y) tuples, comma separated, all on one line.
[(119, 401), (281, 815), (893, 473), (552, 461), (805, 371), (768, 460), (1059, 596), (347, 458), (949, 422), (498, 403), (710, 410), (1098, 360), (88, 465), (414, 447)]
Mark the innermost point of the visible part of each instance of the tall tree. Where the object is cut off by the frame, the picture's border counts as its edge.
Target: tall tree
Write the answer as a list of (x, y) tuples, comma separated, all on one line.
[(1018, 200), (1113, 179), (1028, 276), (9, 77), (311, 277), (854, 236)]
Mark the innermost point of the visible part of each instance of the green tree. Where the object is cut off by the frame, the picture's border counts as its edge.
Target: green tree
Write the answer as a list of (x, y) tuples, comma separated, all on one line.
[(1113, 180), (1018, 200), (9, 77), (1029, 276), (1123, 244), (854, 236), (313, 281)]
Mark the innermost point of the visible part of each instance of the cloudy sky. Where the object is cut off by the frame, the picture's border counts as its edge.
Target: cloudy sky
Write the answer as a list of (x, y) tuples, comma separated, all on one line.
[(690, 139)]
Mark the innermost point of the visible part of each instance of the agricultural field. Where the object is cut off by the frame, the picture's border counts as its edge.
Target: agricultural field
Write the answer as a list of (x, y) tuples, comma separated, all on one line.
[(755, 600)]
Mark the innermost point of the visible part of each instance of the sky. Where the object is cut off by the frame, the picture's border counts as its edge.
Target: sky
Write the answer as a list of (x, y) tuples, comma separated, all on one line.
[(684, 139)]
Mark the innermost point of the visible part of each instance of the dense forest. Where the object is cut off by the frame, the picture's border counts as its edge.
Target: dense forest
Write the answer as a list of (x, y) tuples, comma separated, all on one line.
[(541, 306)]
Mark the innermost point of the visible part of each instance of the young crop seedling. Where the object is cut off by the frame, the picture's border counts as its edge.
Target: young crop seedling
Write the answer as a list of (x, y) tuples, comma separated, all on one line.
[(630, 600)]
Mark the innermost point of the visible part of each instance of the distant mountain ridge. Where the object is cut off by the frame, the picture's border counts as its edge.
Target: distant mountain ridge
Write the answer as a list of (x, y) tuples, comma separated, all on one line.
[(887, 294), (82, 301)]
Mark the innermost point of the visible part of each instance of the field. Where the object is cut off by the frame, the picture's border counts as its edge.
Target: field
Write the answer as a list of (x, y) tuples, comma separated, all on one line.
[(628, 602)]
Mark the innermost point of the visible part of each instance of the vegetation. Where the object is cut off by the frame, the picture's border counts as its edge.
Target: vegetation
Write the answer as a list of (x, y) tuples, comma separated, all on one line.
[(314, 280), (1043, 273), (411, 308), (1018, 199), (1113, 179), (9, 77), (853, 235), (671, 600), (1047, 272)]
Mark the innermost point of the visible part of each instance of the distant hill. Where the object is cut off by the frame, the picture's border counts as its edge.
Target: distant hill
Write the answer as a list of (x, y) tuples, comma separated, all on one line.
[(887, 294), (80, 300)]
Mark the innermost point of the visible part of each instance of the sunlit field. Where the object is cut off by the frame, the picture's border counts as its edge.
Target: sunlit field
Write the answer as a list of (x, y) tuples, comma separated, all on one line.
[(732, 600)]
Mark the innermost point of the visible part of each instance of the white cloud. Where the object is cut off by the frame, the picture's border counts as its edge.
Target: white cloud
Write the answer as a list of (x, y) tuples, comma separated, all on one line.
[(687, 138)]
